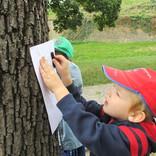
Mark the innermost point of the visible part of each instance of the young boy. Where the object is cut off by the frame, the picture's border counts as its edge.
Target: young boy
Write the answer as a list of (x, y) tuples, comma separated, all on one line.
[(129, 128), (69, 143), (64, 47)]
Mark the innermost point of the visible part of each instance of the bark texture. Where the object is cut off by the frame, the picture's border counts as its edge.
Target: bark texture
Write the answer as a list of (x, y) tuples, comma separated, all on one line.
[(24, 127)]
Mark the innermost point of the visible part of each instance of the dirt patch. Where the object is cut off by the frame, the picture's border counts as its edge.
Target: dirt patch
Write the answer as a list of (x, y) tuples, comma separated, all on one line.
[(97, 92), (120, 34)]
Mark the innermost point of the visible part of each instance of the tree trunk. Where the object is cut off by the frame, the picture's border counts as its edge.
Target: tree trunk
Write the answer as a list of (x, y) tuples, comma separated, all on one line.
[(24, 127)]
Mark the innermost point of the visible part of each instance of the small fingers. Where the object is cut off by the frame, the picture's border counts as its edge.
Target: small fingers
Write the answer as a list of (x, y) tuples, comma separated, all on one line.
[(56, 62), (43, 62), (60, 58), (42, 72), (46, 67)]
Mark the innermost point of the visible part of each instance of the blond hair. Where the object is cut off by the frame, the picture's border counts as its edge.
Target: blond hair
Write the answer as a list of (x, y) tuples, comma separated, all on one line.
[(139, 105)]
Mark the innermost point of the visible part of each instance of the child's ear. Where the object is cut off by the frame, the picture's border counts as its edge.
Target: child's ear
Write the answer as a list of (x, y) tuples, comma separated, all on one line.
[(136, 117)]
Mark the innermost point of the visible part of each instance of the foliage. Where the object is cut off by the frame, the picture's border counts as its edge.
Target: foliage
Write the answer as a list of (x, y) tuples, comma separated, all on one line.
[(138, 14), (134, 15), (153, 1), (134, 2), (143, 23), (69, 13), (82, 32), (90, 56), (143, 8)]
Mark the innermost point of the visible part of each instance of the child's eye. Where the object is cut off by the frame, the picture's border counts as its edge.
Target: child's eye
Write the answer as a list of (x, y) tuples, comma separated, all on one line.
[(117, 94)]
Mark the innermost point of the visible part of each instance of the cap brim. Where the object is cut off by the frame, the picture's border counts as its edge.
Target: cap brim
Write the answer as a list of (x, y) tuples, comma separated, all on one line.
[(119, 77)]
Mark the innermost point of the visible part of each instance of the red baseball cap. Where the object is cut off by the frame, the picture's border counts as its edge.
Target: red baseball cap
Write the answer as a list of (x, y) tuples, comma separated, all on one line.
[(141, 81)]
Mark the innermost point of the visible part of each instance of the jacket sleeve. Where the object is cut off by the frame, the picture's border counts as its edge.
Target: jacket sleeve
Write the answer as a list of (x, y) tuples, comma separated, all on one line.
[(90, 106), (100, 138)]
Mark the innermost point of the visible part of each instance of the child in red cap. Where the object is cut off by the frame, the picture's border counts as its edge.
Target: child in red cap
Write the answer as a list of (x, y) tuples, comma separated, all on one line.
[(124, 125)]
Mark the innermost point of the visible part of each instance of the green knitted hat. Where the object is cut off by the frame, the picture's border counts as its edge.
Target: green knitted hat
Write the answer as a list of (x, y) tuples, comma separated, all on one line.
[(63, 45)]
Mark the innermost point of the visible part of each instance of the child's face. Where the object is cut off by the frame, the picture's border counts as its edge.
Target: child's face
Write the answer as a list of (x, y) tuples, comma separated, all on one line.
[(118, 102), (61, 53)]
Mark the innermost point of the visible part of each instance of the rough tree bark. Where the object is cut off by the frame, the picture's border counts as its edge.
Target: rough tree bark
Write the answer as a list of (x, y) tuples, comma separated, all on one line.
[(24, 127)]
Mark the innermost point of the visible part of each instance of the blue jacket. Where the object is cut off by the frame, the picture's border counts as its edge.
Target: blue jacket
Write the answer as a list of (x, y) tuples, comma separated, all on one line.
[(102, 136)]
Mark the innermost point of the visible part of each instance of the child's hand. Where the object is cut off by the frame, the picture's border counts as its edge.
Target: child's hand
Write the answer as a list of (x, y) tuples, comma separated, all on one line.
[(50, 77), (62, 67), (52, 80)]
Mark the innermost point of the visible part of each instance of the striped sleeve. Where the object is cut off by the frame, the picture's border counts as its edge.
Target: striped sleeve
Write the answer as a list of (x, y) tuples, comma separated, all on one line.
[(137, 140)]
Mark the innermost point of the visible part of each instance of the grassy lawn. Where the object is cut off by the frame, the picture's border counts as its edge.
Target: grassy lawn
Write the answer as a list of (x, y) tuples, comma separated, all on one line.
[(90, 56)]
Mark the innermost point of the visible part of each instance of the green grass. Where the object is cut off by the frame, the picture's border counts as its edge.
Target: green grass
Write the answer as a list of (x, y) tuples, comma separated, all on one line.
[(90, 56)]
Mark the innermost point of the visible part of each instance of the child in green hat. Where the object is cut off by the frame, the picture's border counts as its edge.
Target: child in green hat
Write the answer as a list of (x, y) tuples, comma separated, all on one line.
[(69, 143)]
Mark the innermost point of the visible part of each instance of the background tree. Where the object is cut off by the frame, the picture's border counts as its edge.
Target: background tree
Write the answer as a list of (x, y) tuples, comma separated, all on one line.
[(70, 13), (24, 127)]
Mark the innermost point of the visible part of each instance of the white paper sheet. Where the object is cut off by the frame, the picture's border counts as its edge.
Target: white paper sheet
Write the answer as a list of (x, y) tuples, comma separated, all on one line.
[(44, 49)]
